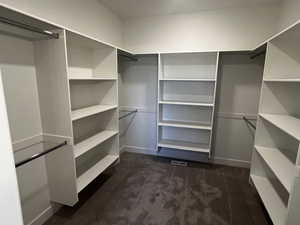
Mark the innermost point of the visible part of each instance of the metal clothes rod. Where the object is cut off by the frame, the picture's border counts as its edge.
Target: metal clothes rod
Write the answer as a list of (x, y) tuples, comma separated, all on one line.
[(28, 27), (128, 114), (249, 122), (39, 155)]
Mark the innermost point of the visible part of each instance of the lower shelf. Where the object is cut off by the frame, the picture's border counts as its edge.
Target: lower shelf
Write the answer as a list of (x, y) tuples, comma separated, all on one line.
[(273, 203), (95, 171), (187, 146)]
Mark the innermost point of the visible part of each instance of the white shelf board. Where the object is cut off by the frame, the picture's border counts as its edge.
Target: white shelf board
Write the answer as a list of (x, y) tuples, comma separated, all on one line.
[(92, 142), (179, 79), (283, 168), (282, 80), (186, 103), (90, 78), (187, 146), (180, 124), (93, 172), (272, 201), (91, 110), (286, 123)]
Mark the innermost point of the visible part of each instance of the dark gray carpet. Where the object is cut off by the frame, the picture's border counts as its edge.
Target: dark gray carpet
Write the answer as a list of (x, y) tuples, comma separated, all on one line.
[(145, 190)]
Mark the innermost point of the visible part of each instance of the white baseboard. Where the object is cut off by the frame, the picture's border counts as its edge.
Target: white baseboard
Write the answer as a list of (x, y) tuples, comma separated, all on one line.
[(216, 160), (44, 216), (231, 162)]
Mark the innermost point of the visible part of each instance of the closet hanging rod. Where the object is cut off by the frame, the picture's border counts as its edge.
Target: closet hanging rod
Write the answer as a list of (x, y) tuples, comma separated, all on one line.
[(28, 27), (249, 122), (128, 114), (40, 154)]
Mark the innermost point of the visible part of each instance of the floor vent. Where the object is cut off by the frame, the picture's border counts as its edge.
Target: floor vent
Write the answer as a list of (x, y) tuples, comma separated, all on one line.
[(178, 163)]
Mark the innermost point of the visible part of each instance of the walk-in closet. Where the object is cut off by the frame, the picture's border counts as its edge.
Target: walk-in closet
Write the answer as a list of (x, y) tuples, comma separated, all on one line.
[(149, 112)]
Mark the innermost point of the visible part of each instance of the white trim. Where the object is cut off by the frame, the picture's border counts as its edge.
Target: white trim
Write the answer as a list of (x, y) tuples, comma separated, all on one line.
[(43, 216), (231, 162), (216, 160), (22, 143)]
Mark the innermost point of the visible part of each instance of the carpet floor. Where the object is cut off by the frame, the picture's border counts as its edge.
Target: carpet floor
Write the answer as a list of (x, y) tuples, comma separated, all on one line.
[(147, 190)]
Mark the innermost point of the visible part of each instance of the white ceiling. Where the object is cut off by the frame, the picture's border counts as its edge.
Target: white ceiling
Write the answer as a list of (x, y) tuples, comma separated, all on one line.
[(143, 8)]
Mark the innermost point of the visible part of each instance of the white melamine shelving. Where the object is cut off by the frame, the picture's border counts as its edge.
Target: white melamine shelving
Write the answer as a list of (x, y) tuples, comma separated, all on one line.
[(84, 179), (187, 146), (180, 124), (276, 159), (186, 103), (285, 172), (191, 79), (92, 142), (288, 124), (91, 110), (272, 201), (91, 78), (186, 99), (93, 92)]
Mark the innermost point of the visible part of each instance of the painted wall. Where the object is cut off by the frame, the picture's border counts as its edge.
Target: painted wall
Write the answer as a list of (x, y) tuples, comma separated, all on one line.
[(289, 13), (230, 29), (238, 95), (88, 17), (138, 90)]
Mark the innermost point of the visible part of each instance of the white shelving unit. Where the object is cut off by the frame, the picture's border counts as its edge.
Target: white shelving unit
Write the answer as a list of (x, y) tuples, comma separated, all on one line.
[(276, 158), (186, 100), (92, 76)]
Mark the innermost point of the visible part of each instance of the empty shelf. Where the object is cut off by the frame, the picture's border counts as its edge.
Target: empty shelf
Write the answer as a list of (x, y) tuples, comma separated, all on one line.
[(279, 164), (272, 201), (91, 110), (92, 142), (87, 177), (282, 80), (186, 103), (179, 79), (187, 146), (288, 124), (90, 78), (180, 124)]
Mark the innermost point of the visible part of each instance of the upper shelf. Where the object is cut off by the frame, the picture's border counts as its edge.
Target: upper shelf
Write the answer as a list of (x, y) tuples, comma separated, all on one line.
[(282, 80), (186, 103), (91, 110), (187, 79), (288, 124), (92, 78)]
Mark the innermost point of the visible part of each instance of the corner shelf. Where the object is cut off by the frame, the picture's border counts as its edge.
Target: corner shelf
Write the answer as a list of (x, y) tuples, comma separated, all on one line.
[(87, 177), (91, 110), (187, 146), (92, 142), (283, 168), (272, 201), (180, 124), (288, 124)]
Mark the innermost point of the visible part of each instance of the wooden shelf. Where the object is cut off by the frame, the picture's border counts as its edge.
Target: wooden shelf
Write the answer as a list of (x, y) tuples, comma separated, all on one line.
[(186, 103), (90, 78), (272, 201), (180, 79), (91, 110), (180, 124), (92, 142), (282, 80), (187, 146), (93, 172), (283, 168), (288, 124)]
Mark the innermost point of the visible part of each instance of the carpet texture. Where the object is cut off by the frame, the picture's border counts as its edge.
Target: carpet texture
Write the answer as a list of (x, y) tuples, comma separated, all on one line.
[(147, 190)]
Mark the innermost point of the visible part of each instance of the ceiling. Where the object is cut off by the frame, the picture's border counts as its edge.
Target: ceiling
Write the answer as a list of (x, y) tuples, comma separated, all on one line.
[(142, 8)]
